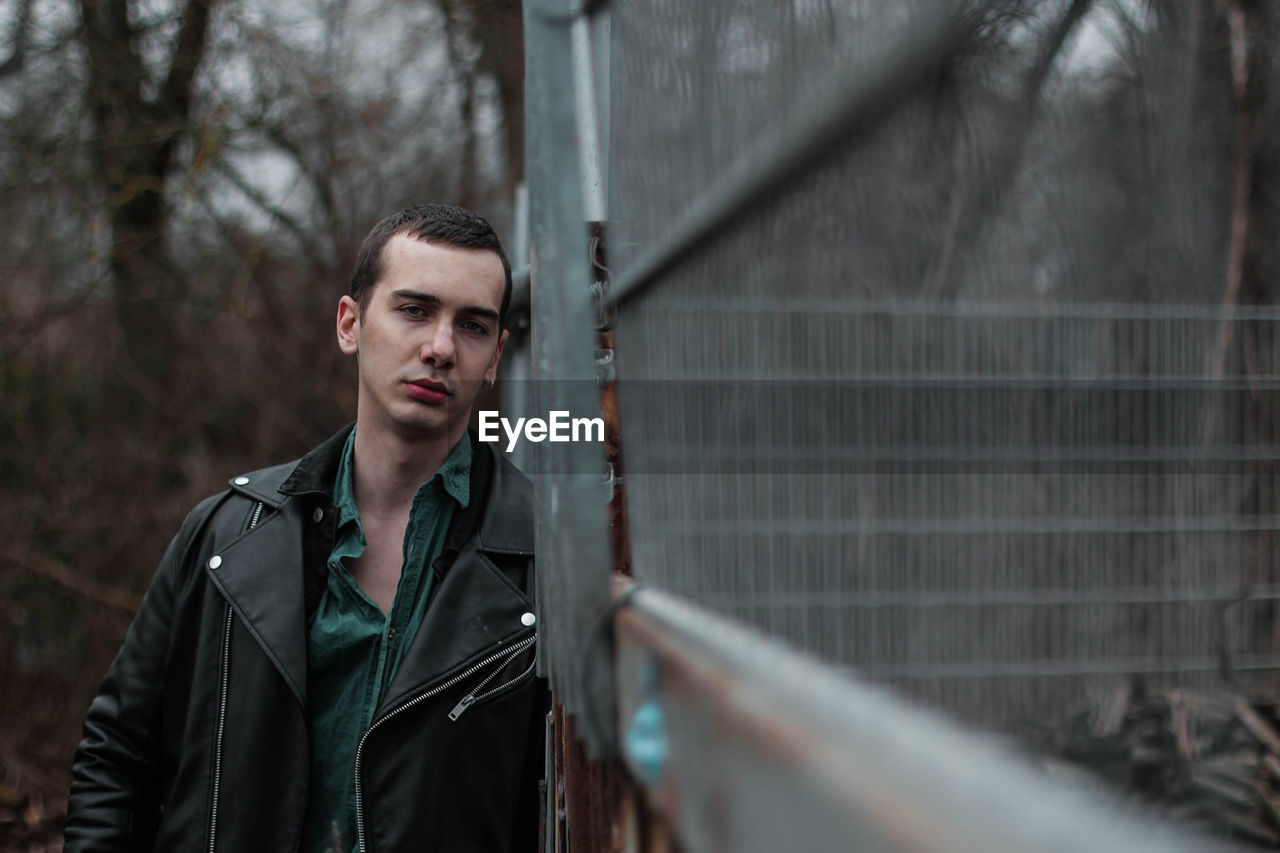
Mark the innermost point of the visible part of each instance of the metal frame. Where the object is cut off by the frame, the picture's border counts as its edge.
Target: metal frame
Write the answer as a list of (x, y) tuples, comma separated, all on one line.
[(759, 747), (737, 743)]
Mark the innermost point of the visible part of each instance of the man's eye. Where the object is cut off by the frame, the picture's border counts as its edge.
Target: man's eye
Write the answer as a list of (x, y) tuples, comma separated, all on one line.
[(414, 310), (473, 326)]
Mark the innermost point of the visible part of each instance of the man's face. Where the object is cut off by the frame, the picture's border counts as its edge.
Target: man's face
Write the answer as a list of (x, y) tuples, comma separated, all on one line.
[(426, 339)]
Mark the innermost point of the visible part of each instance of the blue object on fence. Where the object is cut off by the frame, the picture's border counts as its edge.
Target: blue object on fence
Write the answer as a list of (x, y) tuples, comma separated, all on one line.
[(646, 741)]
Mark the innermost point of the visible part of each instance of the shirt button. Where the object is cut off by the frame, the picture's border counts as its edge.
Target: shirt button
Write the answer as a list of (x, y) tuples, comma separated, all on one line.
[(391, 633), (215, 561), (318, 515), (528, 619), (241, 481)]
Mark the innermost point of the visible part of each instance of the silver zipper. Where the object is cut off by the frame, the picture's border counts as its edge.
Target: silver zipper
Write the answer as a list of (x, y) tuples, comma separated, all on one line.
[(422, 697), (222, 725), (222, 709), (474, 695)]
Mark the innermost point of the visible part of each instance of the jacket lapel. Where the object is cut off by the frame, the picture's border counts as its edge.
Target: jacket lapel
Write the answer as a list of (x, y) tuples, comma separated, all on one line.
[(475, 609), (261, 574)]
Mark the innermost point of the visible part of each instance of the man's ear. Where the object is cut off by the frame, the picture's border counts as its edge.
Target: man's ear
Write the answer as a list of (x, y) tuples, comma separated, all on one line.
[(348, 325), (492, 371)]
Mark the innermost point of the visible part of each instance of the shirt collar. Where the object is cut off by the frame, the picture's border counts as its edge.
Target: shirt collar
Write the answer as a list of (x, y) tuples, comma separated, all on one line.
[(455, 473), (454, 476), (344, 489)]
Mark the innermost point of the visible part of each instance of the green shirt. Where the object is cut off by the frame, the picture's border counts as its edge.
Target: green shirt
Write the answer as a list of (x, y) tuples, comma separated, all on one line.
[(353, 649)]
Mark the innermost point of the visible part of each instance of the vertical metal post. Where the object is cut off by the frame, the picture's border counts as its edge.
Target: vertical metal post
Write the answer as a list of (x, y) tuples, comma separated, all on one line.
[(590, 63), (587, 798), (571, 522), (586, 100), (516, 368)]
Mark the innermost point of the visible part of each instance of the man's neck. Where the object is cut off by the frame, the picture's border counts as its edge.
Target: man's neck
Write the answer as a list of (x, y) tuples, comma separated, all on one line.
[(389, 469)]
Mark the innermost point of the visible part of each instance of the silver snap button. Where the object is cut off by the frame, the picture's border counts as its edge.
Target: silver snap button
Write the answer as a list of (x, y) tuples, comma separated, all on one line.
[(528, 619), (215, 561), (317, 515), (241, 481)]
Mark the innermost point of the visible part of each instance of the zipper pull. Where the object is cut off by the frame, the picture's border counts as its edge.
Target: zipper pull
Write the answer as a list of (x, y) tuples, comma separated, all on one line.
[(463, 704)]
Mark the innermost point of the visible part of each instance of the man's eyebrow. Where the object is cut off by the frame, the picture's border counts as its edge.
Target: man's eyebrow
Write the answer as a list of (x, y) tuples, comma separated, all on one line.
[(478, 311), (419, 296), (416, 296)]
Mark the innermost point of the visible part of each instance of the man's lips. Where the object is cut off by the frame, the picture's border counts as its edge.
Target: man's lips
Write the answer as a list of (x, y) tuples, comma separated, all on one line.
[(426, 391)]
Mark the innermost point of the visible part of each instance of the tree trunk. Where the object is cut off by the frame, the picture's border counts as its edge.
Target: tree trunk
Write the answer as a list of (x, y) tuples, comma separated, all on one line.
[(133, 144), (499, 29), (972, 211)]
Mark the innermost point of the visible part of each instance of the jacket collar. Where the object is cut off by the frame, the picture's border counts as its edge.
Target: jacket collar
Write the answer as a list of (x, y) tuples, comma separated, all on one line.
[(264, 572), (506, 526), (312, 474), (315, 473), (506, 520)]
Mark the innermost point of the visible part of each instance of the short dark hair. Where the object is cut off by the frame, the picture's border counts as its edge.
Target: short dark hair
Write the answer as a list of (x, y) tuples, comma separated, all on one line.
[(441, 224)]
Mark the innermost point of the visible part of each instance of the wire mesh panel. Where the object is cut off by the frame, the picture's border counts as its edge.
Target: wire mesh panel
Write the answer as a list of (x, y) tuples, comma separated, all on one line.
[(956, 405), (990, 506)]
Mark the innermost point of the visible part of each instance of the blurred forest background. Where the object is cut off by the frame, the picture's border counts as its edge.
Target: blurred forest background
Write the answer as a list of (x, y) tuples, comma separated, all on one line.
[(183, 186)]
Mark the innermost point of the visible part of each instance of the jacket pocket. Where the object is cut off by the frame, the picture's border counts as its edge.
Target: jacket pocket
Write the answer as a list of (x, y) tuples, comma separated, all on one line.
[(503, 675)]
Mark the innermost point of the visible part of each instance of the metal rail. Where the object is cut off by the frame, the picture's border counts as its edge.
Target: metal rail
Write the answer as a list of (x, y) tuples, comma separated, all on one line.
[(1004, 597), (747, 746), (860, 306), (799, 143)]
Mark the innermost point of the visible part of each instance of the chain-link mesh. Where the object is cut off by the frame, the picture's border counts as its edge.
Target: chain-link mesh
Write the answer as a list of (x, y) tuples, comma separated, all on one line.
[(945, 409)]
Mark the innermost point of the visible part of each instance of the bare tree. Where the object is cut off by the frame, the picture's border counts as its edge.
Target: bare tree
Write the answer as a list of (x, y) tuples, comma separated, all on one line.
[(138, 121), (978, 197)]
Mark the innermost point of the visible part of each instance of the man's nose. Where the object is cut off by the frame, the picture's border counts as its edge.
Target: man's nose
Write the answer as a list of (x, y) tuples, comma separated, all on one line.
[(438, 348)]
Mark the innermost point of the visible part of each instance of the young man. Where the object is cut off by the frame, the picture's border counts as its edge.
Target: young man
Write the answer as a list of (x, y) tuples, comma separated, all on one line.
[(337, 654)]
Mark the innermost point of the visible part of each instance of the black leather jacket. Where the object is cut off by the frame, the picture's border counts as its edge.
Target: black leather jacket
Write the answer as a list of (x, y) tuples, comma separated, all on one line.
[(197, 740)]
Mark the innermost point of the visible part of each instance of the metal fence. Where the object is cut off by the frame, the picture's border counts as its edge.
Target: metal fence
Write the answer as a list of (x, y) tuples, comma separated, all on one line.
[(988, 440), (884, 403), (995, 508)]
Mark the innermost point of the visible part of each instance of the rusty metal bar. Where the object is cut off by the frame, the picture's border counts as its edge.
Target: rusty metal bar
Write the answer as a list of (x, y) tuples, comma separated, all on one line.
[(747, 746)]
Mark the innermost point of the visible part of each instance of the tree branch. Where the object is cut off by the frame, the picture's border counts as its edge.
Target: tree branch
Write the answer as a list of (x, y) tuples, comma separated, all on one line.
[(1241, 175), (275, 134), (260, 199), (187, 53), (65, 576), (982, 203), (454, 43), (14, 63)]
